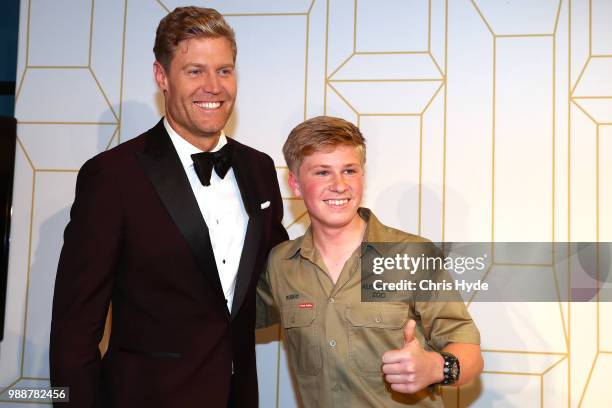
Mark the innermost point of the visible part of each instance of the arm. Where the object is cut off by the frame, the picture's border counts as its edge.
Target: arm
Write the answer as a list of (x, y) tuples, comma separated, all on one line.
[(83, 285), (267, 312), (447, 326)]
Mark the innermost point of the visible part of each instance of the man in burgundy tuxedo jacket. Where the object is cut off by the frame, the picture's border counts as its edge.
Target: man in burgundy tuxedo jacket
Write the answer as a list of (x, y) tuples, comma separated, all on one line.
[(174, 228)]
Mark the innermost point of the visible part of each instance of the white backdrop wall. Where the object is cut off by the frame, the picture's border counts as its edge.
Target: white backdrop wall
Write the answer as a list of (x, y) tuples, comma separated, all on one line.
[(485, 121)]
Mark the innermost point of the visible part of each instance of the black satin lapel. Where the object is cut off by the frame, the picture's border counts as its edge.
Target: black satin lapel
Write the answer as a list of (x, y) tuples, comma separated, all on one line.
[(246, 185), (164, 169), (247, 260), (243, 175)]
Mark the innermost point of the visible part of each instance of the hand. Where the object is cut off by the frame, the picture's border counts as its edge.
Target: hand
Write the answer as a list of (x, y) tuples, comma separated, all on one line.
[(411, 368)]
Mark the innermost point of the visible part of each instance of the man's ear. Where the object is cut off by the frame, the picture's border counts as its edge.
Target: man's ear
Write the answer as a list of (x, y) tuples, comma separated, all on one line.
[(294, 184), (160, 76)]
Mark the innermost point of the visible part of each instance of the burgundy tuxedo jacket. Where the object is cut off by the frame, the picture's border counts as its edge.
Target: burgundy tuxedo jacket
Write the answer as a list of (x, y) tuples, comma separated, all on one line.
[(136, 237)]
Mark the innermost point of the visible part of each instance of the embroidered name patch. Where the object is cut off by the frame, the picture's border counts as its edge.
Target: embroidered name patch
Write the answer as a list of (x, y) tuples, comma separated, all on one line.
[(306, 305)]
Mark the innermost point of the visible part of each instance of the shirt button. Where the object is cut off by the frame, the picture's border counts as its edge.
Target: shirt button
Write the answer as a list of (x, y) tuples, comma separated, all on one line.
[(332, 343), (224, 261), (332, 300), (378, 319), (336, 388)]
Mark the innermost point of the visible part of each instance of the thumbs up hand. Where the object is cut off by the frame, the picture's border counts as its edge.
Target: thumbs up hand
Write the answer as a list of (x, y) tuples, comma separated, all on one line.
[(411, 368)]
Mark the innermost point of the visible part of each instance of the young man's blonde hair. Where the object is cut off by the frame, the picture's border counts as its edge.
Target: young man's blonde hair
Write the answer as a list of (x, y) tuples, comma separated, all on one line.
[(189, 22), (322, 133)]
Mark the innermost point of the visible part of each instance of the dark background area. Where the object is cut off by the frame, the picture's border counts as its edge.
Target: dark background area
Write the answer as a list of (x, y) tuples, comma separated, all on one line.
[(9, 28), (9, 23)]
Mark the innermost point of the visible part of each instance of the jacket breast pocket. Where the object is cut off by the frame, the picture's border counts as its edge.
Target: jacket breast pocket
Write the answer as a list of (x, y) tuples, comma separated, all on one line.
[(373, 330), (301, 335)]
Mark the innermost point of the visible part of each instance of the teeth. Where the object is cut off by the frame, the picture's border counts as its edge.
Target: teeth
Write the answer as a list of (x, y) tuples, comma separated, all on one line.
[(208, 105), (337, 202)]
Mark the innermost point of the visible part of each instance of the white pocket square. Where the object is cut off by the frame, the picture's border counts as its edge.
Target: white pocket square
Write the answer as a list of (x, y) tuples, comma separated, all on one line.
[(265, 205)]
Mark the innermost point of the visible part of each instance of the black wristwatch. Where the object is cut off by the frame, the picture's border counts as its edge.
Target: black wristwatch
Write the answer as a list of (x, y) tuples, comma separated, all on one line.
[(451, 368)]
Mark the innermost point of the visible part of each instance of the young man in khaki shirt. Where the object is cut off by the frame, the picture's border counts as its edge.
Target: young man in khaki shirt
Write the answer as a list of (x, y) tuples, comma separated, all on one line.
[(345, 352)]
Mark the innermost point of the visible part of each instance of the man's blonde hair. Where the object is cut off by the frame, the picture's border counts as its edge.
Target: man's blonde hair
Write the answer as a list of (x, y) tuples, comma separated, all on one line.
[(189, 22), (320, 134)]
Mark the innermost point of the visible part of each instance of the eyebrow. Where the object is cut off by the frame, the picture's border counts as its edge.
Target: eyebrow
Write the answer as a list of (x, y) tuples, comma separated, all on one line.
[(327, 166)]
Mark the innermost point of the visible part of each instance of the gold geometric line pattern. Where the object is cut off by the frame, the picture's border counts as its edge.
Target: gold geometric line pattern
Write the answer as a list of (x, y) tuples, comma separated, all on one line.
[(27, 56), (125, 4), (296, 220), (9, 386), (25, 153), (429, 26), (110, 106), (433, 97), (343, 98), (420, 209), (555, 364), (162, 5), (18, 92), (57, 66), (443, 221), (557, 17), (389, 114), (590, 35), (484, 20), (586, 384), (355, 28), (524, 35), (29, 268), (108, 145), (579, 106), (391, 52), (306, 61), (493, 133), (389, 80), (43, 170), (340, 66), (326, 63), (91, 19), (263, 14), (586, 63)]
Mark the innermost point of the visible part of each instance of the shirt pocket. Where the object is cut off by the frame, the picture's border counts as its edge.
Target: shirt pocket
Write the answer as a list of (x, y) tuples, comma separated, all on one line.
[(374, 329), (301, 333)]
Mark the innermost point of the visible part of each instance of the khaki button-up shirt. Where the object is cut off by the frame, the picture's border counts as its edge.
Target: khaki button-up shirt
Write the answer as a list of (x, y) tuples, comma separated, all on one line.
[(335, 341)]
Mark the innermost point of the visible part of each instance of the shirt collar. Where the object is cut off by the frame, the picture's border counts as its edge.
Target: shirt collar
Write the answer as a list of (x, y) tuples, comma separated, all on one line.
[(374, 234), (186, 149)]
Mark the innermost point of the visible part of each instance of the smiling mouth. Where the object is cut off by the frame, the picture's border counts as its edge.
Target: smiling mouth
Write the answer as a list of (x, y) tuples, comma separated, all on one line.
[(337, 203), (208, 105)]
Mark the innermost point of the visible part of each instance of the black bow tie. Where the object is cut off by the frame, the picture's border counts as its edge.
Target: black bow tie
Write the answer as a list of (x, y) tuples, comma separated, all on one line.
[(221, 160)]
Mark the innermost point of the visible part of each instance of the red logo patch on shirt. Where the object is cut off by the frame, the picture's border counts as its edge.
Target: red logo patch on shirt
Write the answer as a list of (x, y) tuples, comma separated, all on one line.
[(306, 305)]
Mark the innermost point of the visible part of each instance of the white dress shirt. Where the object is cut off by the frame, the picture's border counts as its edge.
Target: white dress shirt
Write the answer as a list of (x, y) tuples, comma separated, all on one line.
[(223, 211)]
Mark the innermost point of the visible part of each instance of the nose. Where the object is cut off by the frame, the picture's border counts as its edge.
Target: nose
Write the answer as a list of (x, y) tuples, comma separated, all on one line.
[(338, 184), (210, 83)]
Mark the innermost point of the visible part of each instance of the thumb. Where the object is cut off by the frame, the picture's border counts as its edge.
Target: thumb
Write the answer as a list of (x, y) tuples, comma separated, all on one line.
[(409, 331)]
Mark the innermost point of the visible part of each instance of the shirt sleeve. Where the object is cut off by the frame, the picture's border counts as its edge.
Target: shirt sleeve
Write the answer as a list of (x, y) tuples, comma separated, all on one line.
[(267, 311), (444, 316)]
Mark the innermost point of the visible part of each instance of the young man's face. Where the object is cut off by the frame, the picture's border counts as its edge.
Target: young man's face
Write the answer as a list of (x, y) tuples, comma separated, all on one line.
[(200, 87), (331, 184)]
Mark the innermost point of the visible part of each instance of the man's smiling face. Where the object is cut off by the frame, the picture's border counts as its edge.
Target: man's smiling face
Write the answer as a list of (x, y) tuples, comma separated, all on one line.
[(331, 184), (199, 87)]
